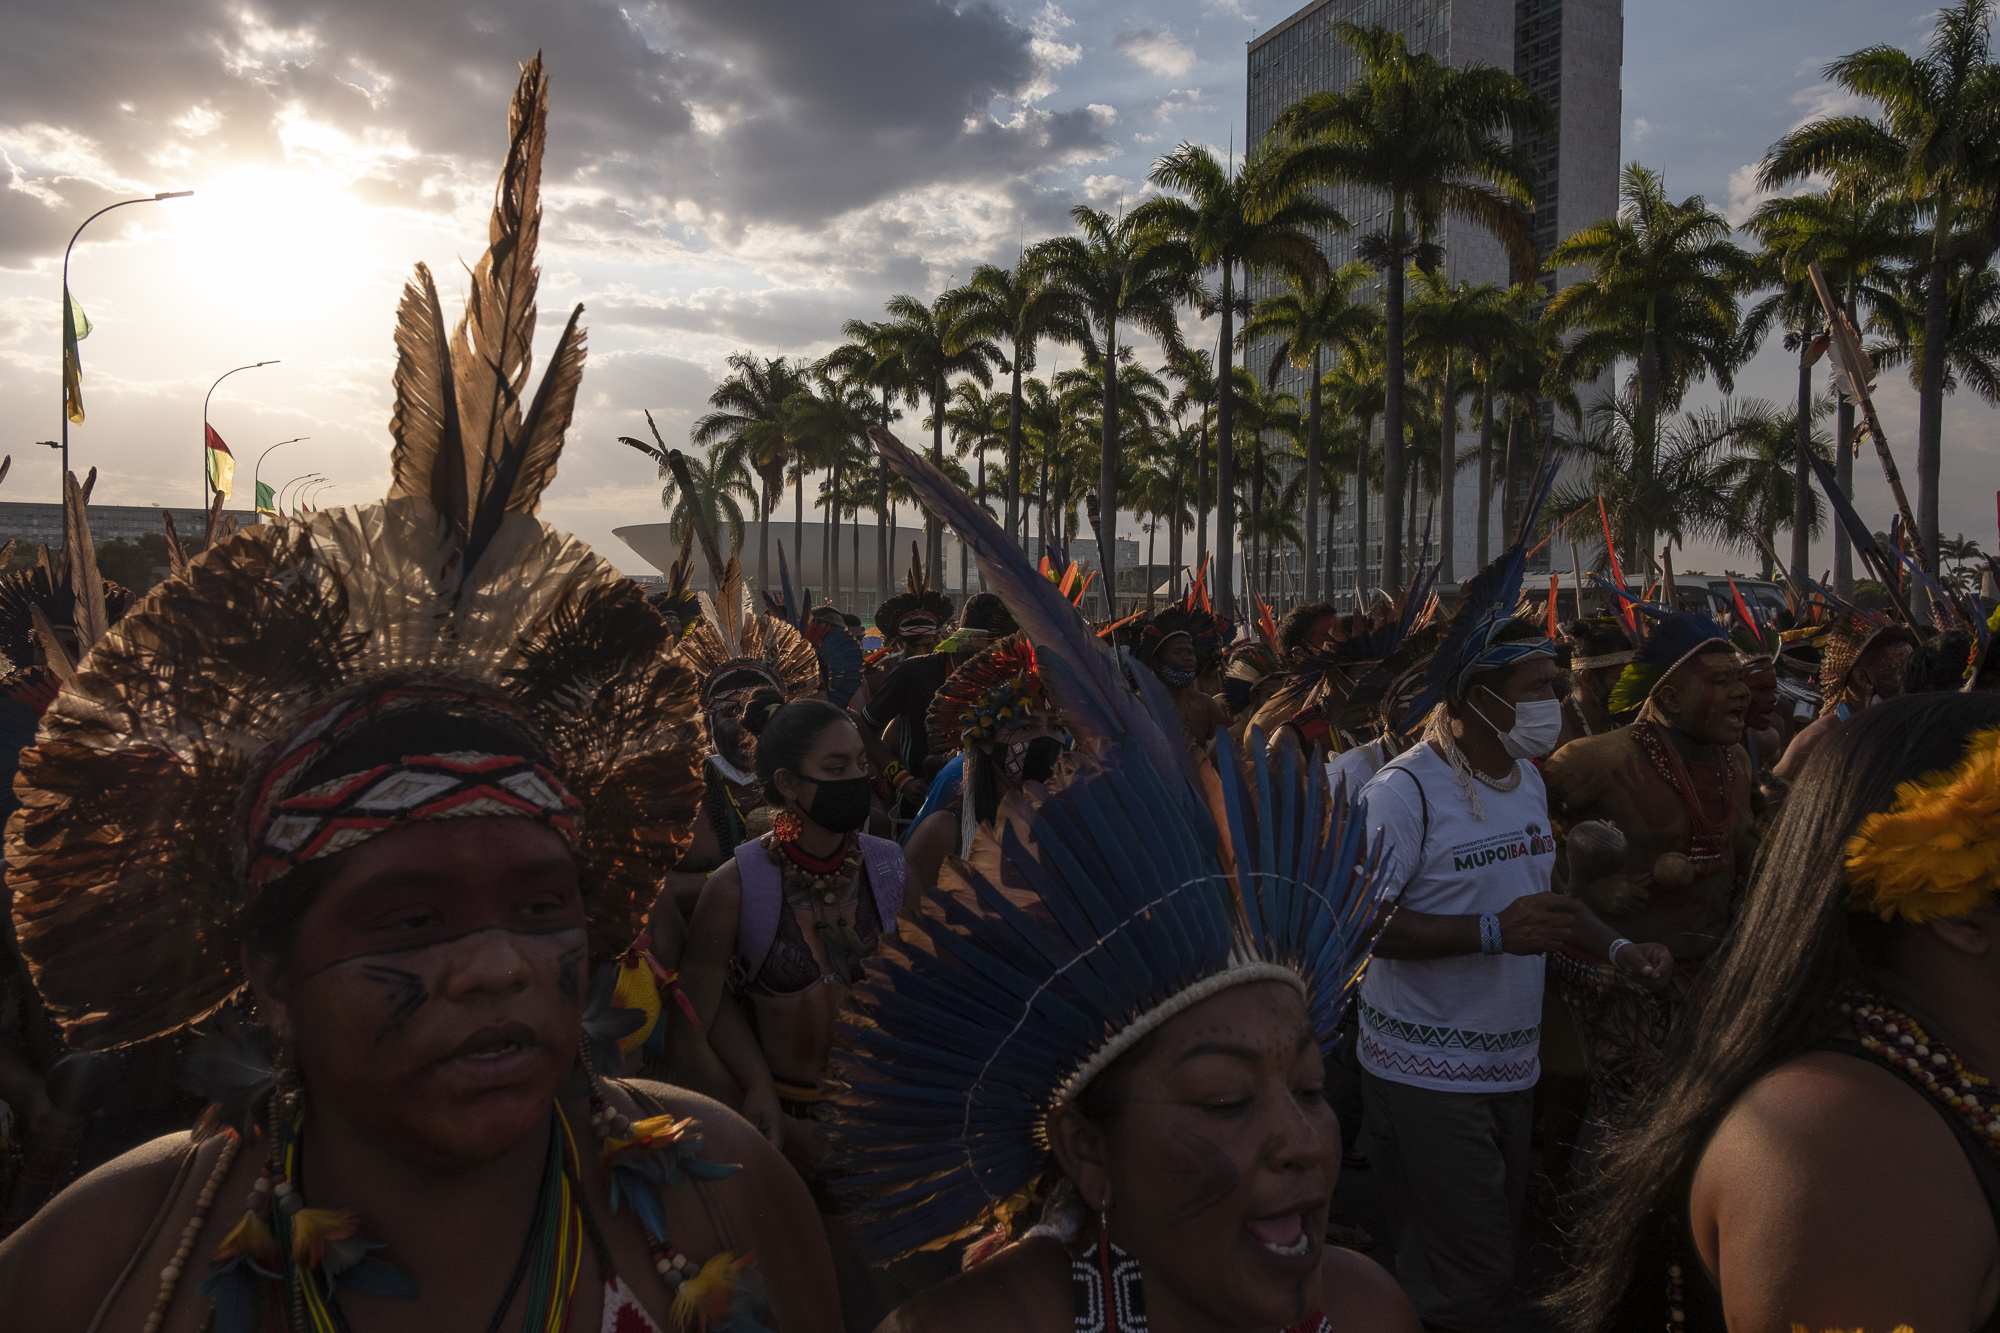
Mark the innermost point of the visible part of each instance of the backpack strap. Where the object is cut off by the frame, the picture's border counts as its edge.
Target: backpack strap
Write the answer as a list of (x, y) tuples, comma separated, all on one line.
[(763, 897)]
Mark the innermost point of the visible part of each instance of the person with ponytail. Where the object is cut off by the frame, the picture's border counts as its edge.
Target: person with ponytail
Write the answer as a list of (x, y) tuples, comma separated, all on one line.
[(784, 925), (1824, 1150)]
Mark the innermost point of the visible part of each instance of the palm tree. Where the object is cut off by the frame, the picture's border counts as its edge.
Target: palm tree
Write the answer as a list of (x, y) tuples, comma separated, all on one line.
[(1010, 306), (1124, 270), (1261, 217), (720, 483), (1938, 138), (1193, 369), (869, 359), (1354, 393), (1451, 326), (1662, 293), (1668, 484), (1762, 478), (1438, 141), (925, 343), (1851, 229), (1971, 351), (827, 425), (1261, 413), (977, 422), (748, 426), (1313, 318)]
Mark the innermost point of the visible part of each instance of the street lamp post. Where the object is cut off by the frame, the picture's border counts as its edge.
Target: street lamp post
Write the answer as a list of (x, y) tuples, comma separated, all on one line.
[(304, 476), (203, 492), (316, 488), (258, 466), (62, 388)]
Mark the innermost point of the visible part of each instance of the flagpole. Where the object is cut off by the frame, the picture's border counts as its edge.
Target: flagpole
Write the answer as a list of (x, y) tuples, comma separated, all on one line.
[(203, 492), (257, 467), (63, 379)]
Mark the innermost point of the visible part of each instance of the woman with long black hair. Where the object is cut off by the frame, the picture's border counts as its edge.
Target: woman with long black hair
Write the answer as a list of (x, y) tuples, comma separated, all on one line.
[(1826, 1153)]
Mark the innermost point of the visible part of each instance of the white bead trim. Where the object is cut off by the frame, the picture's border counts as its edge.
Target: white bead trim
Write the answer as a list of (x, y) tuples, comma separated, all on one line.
[(1133, 1033)]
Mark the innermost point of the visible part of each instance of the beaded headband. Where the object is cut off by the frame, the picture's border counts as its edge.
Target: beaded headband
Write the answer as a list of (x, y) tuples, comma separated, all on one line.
[(289, 827), (1935, 853)]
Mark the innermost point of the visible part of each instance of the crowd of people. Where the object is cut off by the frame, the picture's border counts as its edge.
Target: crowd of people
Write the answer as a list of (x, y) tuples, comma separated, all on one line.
[(416, 924)]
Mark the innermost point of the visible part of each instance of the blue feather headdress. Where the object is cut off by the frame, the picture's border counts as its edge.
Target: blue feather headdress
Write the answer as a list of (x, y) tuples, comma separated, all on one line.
[(1133, 888), (1486, 604), (1668, 638)]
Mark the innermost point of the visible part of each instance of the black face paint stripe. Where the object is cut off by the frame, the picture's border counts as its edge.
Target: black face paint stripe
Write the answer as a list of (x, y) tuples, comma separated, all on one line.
[(406, 989), (433, 944)]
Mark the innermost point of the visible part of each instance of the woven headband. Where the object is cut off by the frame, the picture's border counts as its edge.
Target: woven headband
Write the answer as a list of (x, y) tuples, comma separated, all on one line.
[(1480, 654), (1597, 660), (289, 828)]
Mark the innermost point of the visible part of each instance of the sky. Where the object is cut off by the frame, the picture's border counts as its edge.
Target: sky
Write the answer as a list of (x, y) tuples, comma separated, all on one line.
[(721, 176)]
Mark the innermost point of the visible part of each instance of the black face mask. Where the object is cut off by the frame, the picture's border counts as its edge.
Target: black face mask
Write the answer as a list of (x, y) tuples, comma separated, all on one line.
[(1035, 761), (840, 805)]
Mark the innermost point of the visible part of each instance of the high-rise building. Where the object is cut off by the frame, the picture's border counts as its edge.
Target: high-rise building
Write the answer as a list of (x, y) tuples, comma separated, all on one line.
[(1568, 51)]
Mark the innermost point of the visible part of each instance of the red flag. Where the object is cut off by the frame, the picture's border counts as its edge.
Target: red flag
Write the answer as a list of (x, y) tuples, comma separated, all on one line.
[(1749, 621), (221, 463), (1554, 579)]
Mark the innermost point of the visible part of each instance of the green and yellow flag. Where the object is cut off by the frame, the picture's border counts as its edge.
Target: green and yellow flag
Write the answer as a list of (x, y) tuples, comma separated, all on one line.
[(76, 327), (267, 503), (221, 464)]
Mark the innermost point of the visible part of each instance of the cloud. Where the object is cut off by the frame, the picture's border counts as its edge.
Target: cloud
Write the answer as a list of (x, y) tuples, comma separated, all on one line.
[(1160, 52), (788, 111)]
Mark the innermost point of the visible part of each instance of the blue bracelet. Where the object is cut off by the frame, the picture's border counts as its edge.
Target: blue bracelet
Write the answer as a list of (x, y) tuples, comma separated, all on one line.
[(1489, 934)]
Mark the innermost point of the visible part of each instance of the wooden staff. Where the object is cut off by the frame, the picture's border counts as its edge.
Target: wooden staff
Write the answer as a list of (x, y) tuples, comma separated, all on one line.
[(1855, 363)]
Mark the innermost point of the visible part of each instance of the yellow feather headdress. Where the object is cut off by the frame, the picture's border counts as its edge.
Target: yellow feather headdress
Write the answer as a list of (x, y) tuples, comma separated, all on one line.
[(1935, 853), (122, 858)]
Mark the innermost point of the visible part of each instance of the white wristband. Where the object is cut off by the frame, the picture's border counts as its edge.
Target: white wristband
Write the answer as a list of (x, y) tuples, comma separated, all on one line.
[(1616, 945)]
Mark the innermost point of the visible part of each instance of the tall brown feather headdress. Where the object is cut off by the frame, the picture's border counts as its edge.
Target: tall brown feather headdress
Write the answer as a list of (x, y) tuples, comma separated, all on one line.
[(125, 858), (733, 640)]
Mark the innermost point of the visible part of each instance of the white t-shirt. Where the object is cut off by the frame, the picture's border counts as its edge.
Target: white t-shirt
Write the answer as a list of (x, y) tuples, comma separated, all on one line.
[(1357, 766), (1470, 1023)]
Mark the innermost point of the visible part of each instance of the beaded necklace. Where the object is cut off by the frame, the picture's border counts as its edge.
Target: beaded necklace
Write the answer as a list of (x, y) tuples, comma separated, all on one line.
[(1110, 1297), (824, 886), (1708, 835), (1899, 1041)]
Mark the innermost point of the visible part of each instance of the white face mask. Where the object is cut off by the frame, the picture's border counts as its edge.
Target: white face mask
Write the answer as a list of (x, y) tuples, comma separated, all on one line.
[(1537, 726)]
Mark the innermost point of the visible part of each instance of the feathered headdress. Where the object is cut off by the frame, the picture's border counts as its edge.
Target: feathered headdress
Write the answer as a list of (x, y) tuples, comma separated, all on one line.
[(838, 652), (1194, 617), (677, 603), (124, 858), (1129, 898), (1598, 641), (57, 608), (997, 689), (1486, 605), (1935, 853), (1668, 638), (733, 642), (916, 611)]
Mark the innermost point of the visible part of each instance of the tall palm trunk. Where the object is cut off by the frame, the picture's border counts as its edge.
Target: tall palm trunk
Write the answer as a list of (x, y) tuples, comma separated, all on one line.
[(933, 526), (1174, 536), (1392, 406), (1257, 515), (766, 502), (1485, 466), (1042, 512), (1152, 549), (1645, 441), (1225, 463), (883, 512), (1930, 407), (1201, 484), (833, 540), (1107, 471), (1843, 474), (1448, 475), (799, 527), (1361, 516), (1801, 470), (1312, 484), (1016, 531)]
